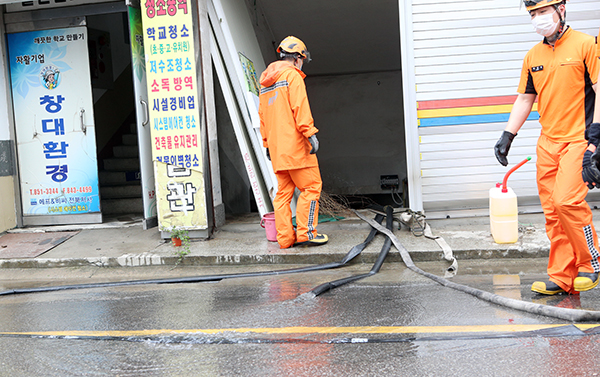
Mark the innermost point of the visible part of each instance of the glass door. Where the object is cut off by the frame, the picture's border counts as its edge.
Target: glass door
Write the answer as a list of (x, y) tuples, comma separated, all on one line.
[(54, 120)]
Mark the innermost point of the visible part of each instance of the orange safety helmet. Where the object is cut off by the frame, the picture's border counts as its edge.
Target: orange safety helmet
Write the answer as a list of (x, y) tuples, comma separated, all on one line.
[(535, 4), (293, 45)]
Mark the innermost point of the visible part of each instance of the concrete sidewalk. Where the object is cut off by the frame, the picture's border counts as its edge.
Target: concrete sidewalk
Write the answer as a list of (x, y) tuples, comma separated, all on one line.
[(242, 241)]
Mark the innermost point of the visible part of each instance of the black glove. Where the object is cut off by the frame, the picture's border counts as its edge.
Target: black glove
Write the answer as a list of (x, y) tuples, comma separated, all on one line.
[(590, 172), (268, 154), (502, 147), (314, 142), (592, 134)]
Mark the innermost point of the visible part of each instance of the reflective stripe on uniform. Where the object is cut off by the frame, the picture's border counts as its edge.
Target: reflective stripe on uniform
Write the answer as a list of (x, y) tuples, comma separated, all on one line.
[(279, 84), (311, 219), (589, 237)]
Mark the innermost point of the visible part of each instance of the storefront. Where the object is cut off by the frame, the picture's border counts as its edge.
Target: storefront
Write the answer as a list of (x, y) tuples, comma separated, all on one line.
[(95, 134), (409, 98)]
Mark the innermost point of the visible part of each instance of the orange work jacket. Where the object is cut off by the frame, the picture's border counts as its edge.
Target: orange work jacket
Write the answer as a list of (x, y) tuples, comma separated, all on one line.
[(562, 77), (286, 121)]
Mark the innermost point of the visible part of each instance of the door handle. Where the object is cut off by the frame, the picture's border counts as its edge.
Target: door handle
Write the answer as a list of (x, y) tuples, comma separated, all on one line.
[(146, 114), (81, 116)]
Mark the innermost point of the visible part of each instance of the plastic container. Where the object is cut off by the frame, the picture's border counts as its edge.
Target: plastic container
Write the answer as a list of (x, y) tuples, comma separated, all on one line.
[(268, 222), (504, 219), (504, 211)]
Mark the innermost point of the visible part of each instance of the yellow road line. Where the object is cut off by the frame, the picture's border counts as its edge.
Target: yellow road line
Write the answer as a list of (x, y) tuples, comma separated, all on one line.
[(308, 330)]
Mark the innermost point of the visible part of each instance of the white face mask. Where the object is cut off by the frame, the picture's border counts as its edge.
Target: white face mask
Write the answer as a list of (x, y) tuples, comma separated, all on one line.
[(544, 24)]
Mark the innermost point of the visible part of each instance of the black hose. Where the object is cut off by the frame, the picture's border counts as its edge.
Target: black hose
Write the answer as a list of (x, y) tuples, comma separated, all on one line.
[(387, 245), (574, 315), (385, 249), (355, 251)]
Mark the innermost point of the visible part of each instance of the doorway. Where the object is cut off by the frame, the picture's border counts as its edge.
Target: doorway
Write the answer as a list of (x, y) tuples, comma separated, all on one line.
[(354, 85), (116, 121)]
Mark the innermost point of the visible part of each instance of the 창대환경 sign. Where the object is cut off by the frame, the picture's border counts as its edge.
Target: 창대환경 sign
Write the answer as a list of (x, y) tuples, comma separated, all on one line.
[(53, 106)]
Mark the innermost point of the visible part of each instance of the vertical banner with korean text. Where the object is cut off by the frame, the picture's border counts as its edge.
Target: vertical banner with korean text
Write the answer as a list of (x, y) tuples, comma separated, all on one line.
[(174, 113), (53, 107)]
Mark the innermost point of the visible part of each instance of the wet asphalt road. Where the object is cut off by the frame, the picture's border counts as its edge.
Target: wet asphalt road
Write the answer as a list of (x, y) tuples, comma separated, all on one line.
[(391, 324)]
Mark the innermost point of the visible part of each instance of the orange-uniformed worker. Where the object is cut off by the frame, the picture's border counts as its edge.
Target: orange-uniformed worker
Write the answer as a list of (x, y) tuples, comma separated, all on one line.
[(289, 134), (561, 71)]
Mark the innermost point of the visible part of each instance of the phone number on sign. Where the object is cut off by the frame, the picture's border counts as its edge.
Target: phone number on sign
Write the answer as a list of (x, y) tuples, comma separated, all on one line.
[(66, 190)]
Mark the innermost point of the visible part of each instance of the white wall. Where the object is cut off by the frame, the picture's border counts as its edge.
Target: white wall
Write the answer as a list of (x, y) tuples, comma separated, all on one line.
[(242, 32)]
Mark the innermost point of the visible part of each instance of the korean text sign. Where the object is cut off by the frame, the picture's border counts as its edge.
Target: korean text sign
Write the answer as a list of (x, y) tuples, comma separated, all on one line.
[(174, 110), (53, 106)]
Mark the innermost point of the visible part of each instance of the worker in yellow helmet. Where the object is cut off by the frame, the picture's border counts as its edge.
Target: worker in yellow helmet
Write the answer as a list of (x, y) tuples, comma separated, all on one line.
[(289, 134), (561, 72)]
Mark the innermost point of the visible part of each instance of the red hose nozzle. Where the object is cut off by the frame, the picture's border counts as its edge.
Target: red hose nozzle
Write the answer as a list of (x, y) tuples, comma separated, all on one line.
[(504, 188)]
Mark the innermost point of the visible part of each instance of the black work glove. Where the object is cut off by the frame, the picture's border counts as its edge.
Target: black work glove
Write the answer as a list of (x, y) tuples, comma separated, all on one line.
[(314, 142), (590, 172), (592, 134), (502, 147), (268, 154)]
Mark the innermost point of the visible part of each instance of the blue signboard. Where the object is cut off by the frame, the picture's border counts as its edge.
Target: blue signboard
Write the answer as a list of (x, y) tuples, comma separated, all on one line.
[(53, 107)]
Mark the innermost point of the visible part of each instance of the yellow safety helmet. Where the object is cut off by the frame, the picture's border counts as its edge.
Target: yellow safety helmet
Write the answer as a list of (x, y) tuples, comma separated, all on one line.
[(293, 45), (535, 4)]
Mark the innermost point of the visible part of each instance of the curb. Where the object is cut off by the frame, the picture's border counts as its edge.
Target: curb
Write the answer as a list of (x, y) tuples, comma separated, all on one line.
[(367, 257)]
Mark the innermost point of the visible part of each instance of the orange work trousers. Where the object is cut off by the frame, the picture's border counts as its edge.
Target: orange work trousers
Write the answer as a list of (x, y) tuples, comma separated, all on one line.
[(308, 181), (573, 239)]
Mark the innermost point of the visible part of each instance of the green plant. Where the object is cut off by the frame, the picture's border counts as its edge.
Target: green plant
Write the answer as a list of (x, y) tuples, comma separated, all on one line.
[(183, 249)]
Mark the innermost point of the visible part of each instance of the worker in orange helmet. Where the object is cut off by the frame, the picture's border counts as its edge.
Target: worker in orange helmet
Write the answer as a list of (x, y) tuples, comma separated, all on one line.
[(289, 134), (561, 71)]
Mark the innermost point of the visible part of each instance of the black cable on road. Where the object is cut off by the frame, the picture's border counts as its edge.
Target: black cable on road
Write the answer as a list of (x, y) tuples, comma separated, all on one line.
[(353, 253), (387, 245)]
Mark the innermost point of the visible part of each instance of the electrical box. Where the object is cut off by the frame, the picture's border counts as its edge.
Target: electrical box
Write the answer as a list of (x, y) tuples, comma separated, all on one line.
[(389, 182)]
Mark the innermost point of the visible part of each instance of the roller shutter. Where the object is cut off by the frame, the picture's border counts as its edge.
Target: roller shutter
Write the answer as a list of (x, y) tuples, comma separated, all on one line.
[(467, 61)]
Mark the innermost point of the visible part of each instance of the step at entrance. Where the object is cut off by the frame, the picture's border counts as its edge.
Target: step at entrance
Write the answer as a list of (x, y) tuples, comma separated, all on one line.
[(126, 151)]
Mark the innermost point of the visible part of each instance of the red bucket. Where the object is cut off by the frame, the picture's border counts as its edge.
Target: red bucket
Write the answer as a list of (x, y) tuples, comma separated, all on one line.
[(268, 222)]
